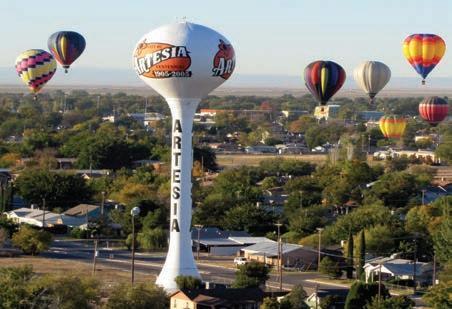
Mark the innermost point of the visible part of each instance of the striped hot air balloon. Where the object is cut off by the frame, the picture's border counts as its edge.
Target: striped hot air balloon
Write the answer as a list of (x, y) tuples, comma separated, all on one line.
[(35, 67), (323, 79), (433, 110), (392, 126), (372, 76), (66, 47), (424, 52)]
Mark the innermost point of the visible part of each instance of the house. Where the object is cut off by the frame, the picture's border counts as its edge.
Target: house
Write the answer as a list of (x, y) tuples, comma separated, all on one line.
[(326, 112), (434, 192), (314, 300), (292, 255), (65, 163), (259, 149), (370, 115), (223, 243), (35, 217), (393, 267), (248, 298)]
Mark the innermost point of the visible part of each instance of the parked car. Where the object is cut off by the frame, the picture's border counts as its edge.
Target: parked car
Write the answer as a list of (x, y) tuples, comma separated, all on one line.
[(240, 260)]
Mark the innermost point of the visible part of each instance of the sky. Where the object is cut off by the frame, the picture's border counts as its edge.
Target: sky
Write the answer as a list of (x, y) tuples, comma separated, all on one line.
[(269, 37)]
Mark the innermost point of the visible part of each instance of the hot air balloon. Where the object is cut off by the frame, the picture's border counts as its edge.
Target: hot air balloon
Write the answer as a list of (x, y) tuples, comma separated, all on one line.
[(372, 76), (183, 62), (424, 52), (35, 67), (323, 79), (392, 126), (433, 110), (66, 46)]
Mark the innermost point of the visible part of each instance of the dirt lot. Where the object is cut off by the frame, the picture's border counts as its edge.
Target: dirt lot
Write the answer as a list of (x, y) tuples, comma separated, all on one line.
[(108, 276), (233, 160)]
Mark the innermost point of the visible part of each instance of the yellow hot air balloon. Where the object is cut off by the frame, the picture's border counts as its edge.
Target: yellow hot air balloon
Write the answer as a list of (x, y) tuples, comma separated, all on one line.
[(392, 126), (35, 67)]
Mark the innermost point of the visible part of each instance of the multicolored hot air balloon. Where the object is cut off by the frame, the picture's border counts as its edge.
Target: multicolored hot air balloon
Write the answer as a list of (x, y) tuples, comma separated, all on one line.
[(424, 52), (66, 46), (323, 79), (392, 126), (433, 110), (372, 76), (35, 67)]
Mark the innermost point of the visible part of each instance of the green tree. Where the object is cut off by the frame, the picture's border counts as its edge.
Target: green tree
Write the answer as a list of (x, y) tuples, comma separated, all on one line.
[(305, 221), (138, 296), (397, 302), (329, 267), (442, 237), (295, 299), (253, 274), (13, 283), (444, 150), (439, 295), (361, 294), (270, 303), (362, 255), (350, 260), (188, 283), (249, 218), (31, 241), (59, 189), (395, 189), (152, 239), (330, 301)]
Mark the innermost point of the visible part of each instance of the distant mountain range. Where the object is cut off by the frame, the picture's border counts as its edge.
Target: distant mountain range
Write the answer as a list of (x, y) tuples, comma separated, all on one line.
[(127, 78)]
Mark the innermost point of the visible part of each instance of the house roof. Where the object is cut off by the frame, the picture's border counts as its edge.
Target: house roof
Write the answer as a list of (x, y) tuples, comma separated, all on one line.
[(226, 296), (214, 232), (249, 240), (80, 210), (321, 293), (394, 266), (270, 248), (217, 242)]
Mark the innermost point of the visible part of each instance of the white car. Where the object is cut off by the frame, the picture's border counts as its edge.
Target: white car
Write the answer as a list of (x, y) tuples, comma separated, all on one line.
[(240, 260)]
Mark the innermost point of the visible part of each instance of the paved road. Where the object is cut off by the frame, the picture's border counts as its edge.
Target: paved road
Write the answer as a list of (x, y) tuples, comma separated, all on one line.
[(152, 263)]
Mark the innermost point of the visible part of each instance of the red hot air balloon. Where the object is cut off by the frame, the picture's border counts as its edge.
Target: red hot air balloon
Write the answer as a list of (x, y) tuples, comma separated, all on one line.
[(433, 110), (323, 79)]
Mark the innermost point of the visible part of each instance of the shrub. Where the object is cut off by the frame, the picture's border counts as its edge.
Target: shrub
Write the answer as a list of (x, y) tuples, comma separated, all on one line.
[(329, 267), (188, 282), (152, 239), (32, 241), (138, 296)]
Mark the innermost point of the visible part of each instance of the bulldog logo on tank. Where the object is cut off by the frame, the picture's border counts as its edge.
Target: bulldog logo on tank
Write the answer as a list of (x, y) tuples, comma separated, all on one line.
[(161, 60), (224, 60)]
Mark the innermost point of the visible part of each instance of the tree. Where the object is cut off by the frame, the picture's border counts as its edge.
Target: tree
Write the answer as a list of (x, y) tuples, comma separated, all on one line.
[(295, 299), (442, 237), (329, 267), (395, 189), (253, 274), (362, 255), (32, 241), (13, 283), (188, 283), (444, 150), (305, 221), (270, 303), (330, 301), (360, 294), (59, 189), (350, 256), (397, 302), (152, 239), (249, 218), (438, 296), (138, 296)]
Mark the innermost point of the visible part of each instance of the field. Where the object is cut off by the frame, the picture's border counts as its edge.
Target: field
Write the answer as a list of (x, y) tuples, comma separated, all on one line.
[(234, 160)]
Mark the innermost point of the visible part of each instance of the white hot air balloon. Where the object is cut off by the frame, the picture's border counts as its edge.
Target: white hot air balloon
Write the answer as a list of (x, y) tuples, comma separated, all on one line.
[(372, 76), (183, 62)]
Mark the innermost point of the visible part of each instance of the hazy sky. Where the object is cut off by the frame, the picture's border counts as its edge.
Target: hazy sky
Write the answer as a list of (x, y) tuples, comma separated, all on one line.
[(270, 37)]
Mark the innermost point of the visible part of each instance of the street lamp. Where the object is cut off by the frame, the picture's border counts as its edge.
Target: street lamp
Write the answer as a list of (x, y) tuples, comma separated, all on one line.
[(134, 212), (278, 225), (320, 244), (199, 227)]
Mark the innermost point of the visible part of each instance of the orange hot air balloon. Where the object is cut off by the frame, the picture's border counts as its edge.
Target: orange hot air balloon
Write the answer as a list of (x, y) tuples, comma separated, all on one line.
[(424, 52), (392, 126)]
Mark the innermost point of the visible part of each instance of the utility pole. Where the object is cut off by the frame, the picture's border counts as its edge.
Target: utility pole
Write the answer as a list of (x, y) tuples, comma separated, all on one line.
[(423, 196), (320, 246), (198, 245), (379, 283), (102, 205), (95, 256), (134, 212), (301, 199), (434, 269), (278, 225), (43, 212), (414, 264)]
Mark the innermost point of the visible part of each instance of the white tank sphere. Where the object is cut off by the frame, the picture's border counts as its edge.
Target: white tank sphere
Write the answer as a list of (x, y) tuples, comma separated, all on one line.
[(184, 60)]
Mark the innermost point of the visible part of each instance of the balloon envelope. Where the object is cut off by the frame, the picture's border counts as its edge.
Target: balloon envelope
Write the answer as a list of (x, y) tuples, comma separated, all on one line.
[(424, 52), (323, 79), (184, 60), (35, 67), (433, 110), (66, 47), (392, 126), (371, 77)]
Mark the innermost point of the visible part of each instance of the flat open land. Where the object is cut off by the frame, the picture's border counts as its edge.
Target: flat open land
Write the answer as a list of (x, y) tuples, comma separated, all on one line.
[(107, 275), (234, 160)]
